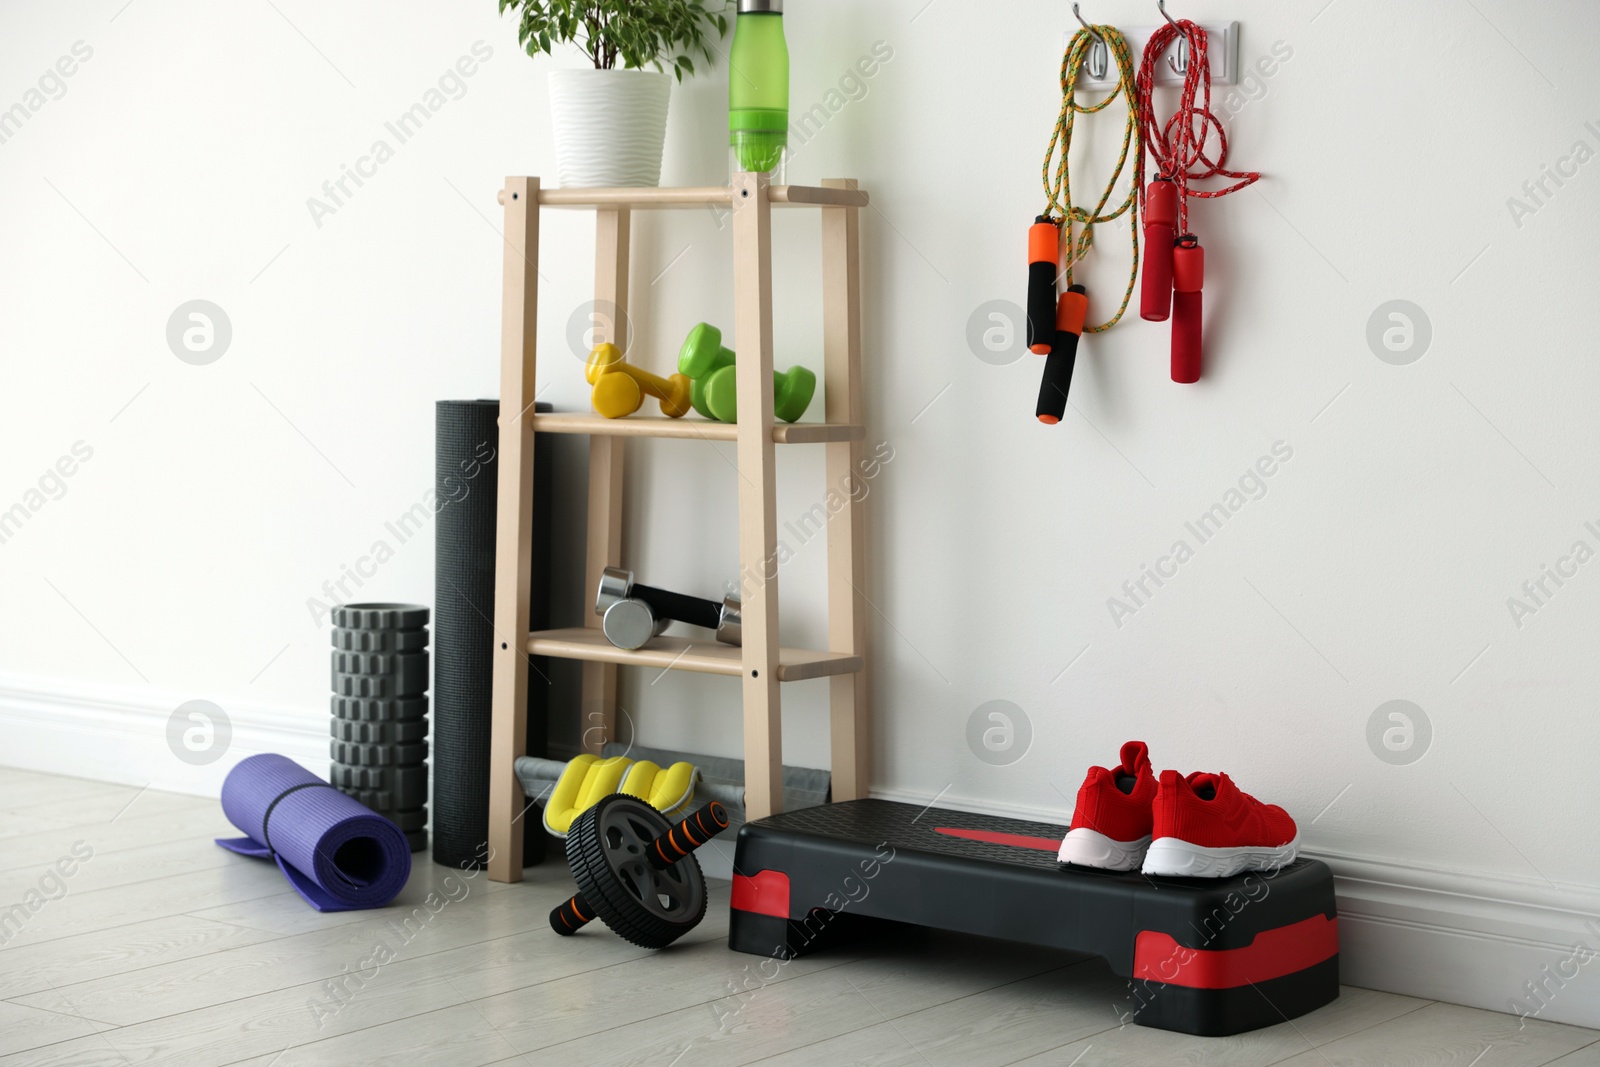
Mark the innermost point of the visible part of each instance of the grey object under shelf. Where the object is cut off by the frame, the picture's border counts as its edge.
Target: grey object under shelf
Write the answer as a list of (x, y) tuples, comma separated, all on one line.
[(721, 777)]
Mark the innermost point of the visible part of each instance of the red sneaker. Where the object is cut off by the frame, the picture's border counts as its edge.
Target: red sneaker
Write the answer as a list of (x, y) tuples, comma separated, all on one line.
[(1111, 824), (1205, 827)]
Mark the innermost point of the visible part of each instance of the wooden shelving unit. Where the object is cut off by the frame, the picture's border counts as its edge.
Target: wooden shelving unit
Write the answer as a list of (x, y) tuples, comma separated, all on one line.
[(761, 663)]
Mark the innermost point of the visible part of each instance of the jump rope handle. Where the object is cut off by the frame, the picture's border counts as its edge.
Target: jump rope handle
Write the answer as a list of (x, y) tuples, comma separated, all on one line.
[(1188, 278), (1044, 251), (1071, 310), (1160, 231)]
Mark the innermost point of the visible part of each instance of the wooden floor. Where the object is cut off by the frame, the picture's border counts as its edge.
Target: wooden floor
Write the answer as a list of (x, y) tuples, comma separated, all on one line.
[(163, 948)]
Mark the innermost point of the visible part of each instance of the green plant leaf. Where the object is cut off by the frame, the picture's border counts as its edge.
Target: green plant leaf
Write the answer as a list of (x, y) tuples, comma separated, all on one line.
[(634, 34)]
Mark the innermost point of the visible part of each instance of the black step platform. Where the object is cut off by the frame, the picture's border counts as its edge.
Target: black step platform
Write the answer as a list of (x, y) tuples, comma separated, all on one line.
[(1202, 956)]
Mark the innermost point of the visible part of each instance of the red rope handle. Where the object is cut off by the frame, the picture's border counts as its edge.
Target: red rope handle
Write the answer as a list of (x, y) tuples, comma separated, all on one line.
[(1178, 146)]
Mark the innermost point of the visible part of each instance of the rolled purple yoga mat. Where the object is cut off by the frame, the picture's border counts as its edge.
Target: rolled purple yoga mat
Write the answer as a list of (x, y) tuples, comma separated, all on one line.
[(334, 850)]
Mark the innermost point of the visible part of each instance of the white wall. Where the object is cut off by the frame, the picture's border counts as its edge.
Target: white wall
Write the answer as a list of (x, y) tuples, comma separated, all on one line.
[(1378, 565)]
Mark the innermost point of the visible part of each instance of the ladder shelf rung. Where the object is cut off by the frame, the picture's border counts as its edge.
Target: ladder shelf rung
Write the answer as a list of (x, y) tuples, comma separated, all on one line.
[(690, 428), (644, 198), (683, 654)]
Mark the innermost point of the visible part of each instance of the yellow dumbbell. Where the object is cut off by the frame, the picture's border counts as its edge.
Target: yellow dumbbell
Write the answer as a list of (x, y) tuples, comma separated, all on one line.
[(619, 387)]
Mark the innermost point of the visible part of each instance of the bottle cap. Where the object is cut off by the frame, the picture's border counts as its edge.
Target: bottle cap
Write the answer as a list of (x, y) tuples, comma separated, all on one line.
[(757, 7)]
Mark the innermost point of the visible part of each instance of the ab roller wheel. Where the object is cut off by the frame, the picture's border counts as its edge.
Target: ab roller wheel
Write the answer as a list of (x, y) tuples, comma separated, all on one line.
[(636, 871)]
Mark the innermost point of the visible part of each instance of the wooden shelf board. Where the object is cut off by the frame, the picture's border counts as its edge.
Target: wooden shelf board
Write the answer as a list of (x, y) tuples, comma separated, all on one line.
[(681, 653), (697, 196), (784, 433)]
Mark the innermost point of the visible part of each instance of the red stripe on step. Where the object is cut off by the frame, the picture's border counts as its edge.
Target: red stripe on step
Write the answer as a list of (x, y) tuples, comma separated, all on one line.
[(1273, 954), (765, 893), (995, 837)]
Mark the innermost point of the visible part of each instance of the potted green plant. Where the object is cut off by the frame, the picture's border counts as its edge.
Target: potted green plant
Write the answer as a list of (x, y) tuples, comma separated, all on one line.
[(610, 120)]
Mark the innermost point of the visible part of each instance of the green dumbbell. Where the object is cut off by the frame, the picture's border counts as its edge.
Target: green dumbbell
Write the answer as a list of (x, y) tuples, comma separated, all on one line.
[(701, 355), (791, 394), (710, 369)]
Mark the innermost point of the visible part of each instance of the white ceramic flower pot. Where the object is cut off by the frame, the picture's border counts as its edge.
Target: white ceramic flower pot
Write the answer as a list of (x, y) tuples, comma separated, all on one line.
[(609, 125)]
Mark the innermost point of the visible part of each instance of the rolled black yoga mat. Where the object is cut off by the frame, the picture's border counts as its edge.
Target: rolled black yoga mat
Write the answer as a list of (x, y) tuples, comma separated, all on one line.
[(466, 481)]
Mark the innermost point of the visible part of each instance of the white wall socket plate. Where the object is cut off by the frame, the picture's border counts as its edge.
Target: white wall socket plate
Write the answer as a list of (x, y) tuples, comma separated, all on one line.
[(1222, 46)]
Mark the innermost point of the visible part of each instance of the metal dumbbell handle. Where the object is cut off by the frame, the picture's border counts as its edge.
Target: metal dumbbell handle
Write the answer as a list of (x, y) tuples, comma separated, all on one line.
[(683, 838), (680, 607), (616, 583)]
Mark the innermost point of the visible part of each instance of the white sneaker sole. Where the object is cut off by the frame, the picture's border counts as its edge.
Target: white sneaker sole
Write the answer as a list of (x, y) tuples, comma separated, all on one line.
[(1090, 848), (1175, 858)]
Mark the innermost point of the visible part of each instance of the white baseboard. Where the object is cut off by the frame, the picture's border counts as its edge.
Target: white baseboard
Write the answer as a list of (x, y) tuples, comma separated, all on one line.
[(119, 734), (1508, 944), (1459, 936)]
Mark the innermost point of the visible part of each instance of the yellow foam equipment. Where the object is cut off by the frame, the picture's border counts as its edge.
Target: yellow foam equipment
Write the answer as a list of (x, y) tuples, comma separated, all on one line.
[(589, 777)]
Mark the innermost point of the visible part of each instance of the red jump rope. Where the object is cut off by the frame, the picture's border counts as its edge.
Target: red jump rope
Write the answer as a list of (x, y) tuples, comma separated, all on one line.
[(1174, 262)]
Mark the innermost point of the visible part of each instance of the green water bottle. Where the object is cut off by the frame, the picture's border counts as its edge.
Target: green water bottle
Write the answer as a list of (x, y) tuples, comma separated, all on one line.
[(758, 90)]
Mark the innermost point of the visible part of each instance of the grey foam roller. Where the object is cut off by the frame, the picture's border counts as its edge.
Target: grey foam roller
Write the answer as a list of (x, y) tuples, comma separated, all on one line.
[(380, 640), (383, 788), (382, 755), (413, 823), (409, 670), (380, 616), (380, 677), (409, 821), (378, 733), (375, 686), (362, 709), (378, 662), (362, 685)]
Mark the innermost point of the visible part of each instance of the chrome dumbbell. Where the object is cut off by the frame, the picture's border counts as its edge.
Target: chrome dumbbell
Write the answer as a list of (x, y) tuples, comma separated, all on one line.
[(632, 614)]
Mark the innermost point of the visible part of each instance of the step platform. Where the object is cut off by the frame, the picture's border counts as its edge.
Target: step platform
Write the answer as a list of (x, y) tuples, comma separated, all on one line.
[(1202, 956)]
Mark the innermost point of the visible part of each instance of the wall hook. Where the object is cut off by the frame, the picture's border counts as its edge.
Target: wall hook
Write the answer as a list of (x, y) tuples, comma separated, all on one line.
[(1180, 66), (1099, 54)]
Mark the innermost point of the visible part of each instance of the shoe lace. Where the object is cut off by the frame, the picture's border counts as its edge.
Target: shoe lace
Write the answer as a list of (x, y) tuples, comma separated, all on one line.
[(1247, 797)]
